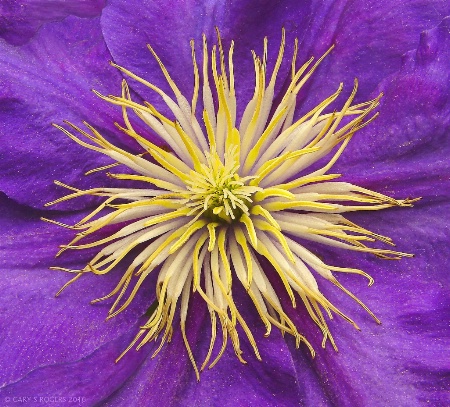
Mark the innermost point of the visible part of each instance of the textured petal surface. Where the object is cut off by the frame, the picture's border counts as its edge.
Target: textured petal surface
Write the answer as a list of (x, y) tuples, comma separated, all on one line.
[(408, 349), (39, 330), (21, 19), (403, 361), (383, 34), (245, 22), (413, 127), (170, 381), (46, 81), (370, 39)]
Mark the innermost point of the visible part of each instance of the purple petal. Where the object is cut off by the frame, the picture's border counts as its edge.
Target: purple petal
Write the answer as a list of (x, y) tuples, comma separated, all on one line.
[(46, 81), (20, 20), (74, 350), (38, 329), (408, 145), (386, 32), (82, 382), (170, 380), (403, 361), (398, 363), (65, 344), (246, 22), (370, 40)]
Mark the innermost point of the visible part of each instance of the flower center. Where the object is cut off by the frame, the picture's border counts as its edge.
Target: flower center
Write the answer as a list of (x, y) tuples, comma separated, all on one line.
[(226, 196), (217, 189)]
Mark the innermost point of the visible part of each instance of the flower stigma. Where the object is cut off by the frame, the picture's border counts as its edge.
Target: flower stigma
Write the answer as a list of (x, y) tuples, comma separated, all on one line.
[(222, 198)]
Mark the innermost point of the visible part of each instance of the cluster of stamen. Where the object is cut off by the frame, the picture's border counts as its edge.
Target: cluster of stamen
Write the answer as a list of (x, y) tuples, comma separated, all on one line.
[(223, 196), (217, 190)]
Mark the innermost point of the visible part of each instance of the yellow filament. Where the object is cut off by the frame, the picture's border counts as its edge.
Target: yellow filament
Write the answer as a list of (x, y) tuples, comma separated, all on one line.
[(188, 348), (241, 239), (262, 249), (212, 235), (254, 152), (187, 234), (271, 165), (259, 93), (193, 150), (159, 183), (212, 340), (259, 210), (222, 59), (279, 206), (196, 79), (262, 225), (307, 180), (224, 258), (246, 220), (195, 259), (270, 192), (209, 131)]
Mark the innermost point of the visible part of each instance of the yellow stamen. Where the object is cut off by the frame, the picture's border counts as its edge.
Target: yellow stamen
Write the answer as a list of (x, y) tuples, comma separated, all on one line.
[(221, 198)]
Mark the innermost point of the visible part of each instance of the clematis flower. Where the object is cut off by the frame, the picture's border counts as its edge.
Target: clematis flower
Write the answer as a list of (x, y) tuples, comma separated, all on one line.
[(63, 348)]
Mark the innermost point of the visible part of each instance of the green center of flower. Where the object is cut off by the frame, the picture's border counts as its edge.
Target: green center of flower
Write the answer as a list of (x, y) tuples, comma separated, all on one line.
[(218, 191)]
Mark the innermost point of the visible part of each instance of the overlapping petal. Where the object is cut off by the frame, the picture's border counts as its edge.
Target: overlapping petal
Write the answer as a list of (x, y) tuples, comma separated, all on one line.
[(21, 19), (370, 39)]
